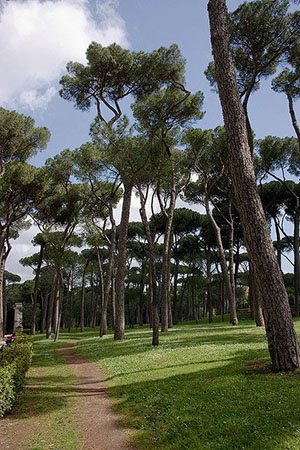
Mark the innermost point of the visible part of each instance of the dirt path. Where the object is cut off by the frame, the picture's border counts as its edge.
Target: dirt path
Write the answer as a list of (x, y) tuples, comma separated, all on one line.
[(100, 426)]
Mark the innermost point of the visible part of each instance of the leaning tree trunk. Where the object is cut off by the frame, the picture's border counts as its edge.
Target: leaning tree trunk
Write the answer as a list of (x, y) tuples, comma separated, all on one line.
[(293, 116), (109, 275), (282, 339), (121, 268), (226, 277), (36, 288)]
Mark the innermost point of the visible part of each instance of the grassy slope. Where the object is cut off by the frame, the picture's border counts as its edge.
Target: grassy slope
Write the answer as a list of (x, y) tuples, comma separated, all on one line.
[(48, 401), (197, 390)]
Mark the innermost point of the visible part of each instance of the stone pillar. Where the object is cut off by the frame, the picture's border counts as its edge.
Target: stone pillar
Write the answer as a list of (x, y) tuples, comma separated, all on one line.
[(18, 317)]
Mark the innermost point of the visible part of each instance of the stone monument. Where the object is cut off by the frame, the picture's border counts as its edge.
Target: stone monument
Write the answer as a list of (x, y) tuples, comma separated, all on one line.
[(18, 317)]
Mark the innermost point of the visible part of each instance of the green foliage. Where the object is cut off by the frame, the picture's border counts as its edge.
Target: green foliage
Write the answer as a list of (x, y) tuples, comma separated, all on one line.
[(19, 139), (14, 363), (7, 392), (261, 35), (287, 81)]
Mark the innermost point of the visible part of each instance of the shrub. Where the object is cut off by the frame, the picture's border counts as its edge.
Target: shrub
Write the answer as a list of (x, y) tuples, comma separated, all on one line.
[(7, 392), (14, 363)]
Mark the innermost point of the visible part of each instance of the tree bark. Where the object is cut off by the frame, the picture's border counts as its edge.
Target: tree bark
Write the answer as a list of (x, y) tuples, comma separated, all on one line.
[(2, 269), (296, 258), (121, 268), (152, 270), (51, 302), (165, 291), (109, 274), (82, 299), (226, 277), (282, 340), (293, 116), (36, 288)]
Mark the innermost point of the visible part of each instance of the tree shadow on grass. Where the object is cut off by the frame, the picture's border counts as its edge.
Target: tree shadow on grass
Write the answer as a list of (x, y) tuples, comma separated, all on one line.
[(221, 408)]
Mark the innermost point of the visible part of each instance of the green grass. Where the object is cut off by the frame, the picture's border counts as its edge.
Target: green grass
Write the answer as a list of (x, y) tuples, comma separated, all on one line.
[(197, 390), (48, 409)]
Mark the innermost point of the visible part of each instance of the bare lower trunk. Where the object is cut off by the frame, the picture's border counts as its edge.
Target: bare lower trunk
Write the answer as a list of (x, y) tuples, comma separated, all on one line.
[(44, 314), (108, 278), (293, 117), (122, 247), (226, 277), (282, 340), (208, 291), (60, 294), (36, 288), (82, 300), (51, 302), (2, 269), (296, 259), (152, 270), (165, 291), (175, 292)]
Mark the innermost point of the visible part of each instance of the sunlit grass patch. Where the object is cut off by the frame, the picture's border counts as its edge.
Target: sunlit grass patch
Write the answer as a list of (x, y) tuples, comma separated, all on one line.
[(197, 389)]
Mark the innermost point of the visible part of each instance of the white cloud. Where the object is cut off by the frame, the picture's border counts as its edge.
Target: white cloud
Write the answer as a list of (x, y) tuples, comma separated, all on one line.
[(38, 38)]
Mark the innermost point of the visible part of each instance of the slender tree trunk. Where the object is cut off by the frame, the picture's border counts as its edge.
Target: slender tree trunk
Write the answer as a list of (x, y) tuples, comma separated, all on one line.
[(296, 258), (36, 289), (2, 270), (152, 270), (278, 240), (60, 295), (51, 302), (233, 313), (226, 276), (45, 309), (208, 291), (293, 116), (113, 301), (251, 295), (109, 275), (175, 292), (282, 339), (122, 247), (82, 299), (165, 291)]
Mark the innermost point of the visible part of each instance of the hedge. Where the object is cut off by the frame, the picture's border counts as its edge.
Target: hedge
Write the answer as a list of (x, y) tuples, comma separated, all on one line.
[(14, 363)]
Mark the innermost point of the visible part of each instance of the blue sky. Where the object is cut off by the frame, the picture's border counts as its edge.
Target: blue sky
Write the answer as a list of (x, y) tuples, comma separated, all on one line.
[(37, 38)]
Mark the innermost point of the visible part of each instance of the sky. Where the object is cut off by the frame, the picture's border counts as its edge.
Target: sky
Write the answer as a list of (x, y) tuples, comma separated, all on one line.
[(38, 38)]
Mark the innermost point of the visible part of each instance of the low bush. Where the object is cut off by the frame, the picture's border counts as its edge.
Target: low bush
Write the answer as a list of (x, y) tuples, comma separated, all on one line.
[(14, 363)]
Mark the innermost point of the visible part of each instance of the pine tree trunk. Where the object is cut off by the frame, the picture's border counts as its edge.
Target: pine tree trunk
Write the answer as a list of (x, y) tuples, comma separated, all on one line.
[(36, 288), (227, 281), (165, 291), (109, 275), (282, 339), (82, 299), (2, 269), (175, 292), (152, 271), (45, 309), (51, 302), (122, 247), (296, 258)]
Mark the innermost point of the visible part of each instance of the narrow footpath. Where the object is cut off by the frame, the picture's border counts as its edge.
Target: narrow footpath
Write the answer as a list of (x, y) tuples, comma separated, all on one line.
[(99, 426)]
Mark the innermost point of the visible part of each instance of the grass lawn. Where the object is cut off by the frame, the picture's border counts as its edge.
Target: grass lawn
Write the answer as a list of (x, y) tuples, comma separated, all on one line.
[(205, 387), (46, 409)]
